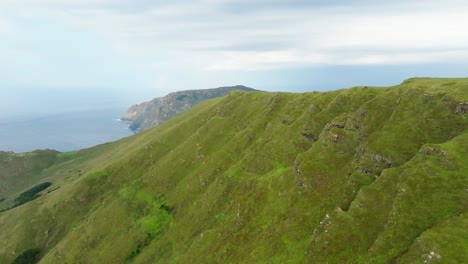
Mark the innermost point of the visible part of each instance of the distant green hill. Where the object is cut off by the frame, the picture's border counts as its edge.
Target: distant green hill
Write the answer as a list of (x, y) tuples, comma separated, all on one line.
[(19, 170), (152, 113), (360, 175)]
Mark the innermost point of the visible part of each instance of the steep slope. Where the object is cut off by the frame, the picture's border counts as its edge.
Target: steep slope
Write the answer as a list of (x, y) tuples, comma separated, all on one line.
[(19, 170), (159, 110), (363, 175)]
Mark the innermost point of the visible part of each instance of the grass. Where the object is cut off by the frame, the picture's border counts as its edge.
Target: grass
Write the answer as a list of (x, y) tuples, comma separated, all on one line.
[(20, 171), (32, 193), (361, 175)]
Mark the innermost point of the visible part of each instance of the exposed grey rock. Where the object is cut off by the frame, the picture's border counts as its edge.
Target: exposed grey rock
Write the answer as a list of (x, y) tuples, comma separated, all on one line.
[(307, 133), (435, 151), (299, 180), (462, 108)]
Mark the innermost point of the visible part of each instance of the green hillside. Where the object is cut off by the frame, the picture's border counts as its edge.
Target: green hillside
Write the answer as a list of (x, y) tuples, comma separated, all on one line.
[(155, 112), (360, 175), (20, 170)]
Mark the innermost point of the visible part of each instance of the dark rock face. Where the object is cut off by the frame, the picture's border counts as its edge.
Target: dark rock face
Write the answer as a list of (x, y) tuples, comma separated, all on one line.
[(154, 112), (308, 134)]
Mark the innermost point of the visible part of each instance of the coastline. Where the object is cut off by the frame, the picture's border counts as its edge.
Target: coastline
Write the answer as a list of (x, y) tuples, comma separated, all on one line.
[(63, 132)]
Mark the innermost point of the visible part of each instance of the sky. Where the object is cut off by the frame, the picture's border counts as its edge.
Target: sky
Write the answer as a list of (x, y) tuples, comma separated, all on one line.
[(58, 55)]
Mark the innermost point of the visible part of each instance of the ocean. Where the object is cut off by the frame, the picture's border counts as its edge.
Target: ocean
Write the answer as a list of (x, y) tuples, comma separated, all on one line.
[(62, 131)]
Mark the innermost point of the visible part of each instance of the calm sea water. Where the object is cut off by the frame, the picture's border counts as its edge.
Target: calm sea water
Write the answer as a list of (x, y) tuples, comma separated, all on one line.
[(62, 132)]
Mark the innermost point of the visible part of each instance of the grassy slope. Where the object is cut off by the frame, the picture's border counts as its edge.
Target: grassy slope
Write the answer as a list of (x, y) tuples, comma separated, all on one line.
[(358, 175), (18, 171)]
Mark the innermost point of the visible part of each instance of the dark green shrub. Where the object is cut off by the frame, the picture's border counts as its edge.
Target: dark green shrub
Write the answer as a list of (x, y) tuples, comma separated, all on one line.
[(32, 193), (30, 256)]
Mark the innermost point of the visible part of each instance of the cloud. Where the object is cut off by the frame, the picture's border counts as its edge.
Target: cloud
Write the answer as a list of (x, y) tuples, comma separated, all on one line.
[(162, 37), (254, 60), (5, 26), (235, 35), (14, 53)]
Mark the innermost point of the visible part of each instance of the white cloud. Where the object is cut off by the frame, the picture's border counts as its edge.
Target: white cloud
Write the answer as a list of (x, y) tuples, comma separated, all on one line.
[(410, 58), (355, 38), (405, 31), (14, 53), (252, 61), (239, 35), (5, 26)]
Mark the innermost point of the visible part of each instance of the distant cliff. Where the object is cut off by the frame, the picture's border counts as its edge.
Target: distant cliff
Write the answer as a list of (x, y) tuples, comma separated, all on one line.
[(154, 112)]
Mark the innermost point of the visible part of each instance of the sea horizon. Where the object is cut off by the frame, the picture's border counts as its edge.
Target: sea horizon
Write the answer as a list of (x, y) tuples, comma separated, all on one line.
[(66, 130)]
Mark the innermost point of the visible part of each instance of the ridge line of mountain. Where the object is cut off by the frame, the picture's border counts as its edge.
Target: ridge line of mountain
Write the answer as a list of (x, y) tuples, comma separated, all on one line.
[(158, 110), (348, 176)]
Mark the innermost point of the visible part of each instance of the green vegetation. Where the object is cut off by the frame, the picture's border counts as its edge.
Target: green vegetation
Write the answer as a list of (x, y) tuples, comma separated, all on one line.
[(149, 114), (360, 175), (30, 256), (32, 193), (21, 171)]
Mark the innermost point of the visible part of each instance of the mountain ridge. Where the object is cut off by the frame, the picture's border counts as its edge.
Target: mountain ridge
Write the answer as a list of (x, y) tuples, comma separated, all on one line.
[(359, 175), (158, 110)]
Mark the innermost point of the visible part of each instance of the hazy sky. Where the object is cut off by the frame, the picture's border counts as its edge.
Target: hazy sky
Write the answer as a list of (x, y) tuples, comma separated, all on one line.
[(54, 52)]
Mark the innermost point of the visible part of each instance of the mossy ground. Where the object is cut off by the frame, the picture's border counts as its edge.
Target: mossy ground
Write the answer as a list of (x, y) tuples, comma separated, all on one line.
[(361, 175)]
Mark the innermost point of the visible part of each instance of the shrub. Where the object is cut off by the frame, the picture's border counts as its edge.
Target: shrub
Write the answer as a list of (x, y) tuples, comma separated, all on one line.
[(30, 256), (32, 193)]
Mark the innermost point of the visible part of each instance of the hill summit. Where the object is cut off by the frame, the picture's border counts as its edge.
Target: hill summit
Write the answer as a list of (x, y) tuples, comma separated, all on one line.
[(360, 175)]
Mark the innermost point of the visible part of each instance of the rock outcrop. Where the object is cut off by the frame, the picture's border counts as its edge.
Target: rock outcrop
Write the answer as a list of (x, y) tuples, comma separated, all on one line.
[(152, 113)]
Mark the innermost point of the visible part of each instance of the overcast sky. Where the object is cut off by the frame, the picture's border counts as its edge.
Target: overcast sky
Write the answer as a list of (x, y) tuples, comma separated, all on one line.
[(125, 51)]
